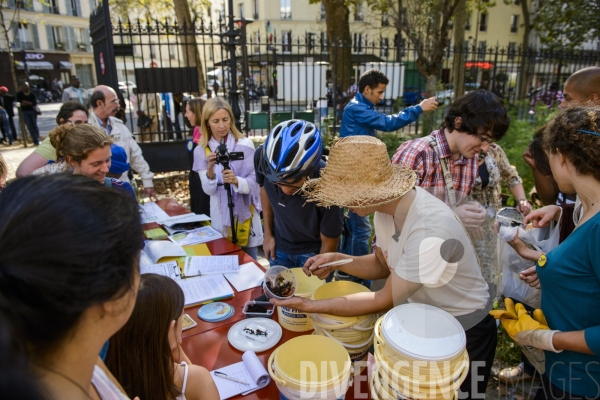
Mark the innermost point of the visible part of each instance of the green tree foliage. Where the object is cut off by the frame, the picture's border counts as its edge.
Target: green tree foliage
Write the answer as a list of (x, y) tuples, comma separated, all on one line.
[(562, 23), (426, 25)]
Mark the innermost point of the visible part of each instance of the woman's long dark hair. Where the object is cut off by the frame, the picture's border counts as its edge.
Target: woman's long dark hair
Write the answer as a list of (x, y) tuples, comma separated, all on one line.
[(66, 244), (139, 355)]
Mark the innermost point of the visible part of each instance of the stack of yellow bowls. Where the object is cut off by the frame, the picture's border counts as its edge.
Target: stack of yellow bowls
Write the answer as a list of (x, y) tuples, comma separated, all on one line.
[(354, 333), (419, 354)]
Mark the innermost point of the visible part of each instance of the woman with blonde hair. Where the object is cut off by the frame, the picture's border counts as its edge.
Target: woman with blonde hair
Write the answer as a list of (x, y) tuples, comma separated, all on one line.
[(83, 150), (218, 125)]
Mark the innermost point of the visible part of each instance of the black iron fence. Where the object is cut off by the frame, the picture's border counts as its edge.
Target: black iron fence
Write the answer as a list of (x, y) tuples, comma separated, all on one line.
[(162, 64)]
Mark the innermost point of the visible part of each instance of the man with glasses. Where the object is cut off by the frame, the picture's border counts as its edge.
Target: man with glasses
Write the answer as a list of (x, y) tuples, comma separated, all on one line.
[(472, 123), (105, 104), (294, 230)]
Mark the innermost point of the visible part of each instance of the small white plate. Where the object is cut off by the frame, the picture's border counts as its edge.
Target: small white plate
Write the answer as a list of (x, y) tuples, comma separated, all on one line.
[(238, 339)]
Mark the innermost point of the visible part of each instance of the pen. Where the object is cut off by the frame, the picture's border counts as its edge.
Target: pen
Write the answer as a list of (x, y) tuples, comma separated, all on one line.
[(338, 262), (225, 376)]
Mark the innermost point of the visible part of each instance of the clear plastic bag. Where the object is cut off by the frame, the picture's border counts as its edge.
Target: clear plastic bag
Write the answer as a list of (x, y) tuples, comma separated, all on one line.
[(511, 285)]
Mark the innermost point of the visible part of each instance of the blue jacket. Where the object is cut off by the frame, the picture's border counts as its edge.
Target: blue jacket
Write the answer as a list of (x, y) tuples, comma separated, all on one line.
[(361, 118)]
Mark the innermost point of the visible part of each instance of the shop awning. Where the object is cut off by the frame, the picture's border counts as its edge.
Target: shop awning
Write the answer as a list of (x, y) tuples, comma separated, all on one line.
[(36, 65), (65, 65)]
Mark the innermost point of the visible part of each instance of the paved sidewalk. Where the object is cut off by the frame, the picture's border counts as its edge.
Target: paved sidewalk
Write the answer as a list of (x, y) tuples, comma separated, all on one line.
[(13, 155)]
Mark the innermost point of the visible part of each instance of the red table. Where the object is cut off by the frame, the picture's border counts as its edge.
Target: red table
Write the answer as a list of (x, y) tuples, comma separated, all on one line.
[(206, 344), (172, 208)]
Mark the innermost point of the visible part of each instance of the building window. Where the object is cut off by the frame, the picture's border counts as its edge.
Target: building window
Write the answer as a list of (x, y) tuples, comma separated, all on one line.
[(55, 38), (322, 12), (81, 39), (153, 53), (255, 9), (172, 52), (483, 22), (514, 23), (385, 47), (468, 24), (73, 8), (324, 43), (482, 49), (400, 45), (241, 9), (21, 4), (359, 12), (211, 53), (23, 37), (286, 9), (512, 50), (256, 40), (310, 42), (385, 19), (358, 43), (286, 41)]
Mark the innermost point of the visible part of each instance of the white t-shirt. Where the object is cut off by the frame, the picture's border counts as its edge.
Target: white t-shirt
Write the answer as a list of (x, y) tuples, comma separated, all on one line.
[(433, 248)]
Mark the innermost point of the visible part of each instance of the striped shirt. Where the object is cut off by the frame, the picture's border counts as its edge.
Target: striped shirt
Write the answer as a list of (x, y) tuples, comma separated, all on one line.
[(418, 155)]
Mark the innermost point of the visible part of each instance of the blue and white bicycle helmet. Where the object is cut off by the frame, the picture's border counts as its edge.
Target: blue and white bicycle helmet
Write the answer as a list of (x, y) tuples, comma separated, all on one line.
[(291, 150)]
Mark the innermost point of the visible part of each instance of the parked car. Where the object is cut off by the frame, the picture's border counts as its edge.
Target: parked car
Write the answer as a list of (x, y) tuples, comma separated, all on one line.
[(412, 95), (126, 86), (445, 96)]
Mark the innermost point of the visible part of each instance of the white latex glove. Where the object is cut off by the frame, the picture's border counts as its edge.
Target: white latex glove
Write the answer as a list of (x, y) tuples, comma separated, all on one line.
[(540, 339)]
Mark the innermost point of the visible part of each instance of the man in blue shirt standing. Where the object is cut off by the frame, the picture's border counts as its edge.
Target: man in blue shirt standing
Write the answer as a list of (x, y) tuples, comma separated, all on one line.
[(361, 118)]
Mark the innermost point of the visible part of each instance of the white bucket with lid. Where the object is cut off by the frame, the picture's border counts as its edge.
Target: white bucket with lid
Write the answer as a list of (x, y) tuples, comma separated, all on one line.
[(420, 352), (423, 332)]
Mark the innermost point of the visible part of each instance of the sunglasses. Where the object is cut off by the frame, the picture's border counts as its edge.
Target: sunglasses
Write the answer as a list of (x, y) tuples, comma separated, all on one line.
[(289, 185), (77, 122)]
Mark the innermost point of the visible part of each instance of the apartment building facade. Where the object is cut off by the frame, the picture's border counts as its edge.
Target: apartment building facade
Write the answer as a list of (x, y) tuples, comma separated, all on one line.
[(50, 39)]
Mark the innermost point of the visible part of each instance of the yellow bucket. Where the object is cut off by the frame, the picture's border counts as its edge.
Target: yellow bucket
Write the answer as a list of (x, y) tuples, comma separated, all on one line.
[(292, 319), (426, 385), (310, 367), (354, 333), (338, 289), (414, 362), (381, 390)]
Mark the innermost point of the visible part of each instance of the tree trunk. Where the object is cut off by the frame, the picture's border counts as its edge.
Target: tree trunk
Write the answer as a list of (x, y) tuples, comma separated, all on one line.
[(191, 56), (11, 56), (430, 86), (337, 19), (524, 64), (458, 62)]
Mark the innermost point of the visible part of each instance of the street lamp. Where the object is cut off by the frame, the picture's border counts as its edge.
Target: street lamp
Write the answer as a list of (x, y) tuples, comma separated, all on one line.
[(242, 23)]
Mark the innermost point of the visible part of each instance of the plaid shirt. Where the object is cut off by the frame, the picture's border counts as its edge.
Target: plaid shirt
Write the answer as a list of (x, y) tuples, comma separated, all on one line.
[(418, 155)]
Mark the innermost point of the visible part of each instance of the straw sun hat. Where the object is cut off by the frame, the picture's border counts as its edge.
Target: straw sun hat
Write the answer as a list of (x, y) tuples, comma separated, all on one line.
[(359, 174)]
